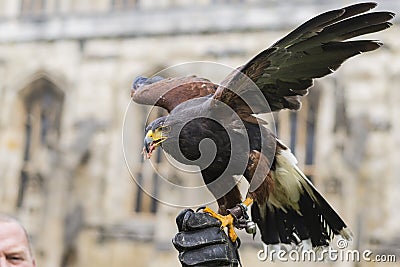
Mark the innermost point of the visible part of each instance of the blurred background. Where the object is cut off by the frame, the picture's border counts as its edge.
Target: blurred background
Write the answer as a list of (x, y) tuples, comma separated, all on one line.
[(66, 68)]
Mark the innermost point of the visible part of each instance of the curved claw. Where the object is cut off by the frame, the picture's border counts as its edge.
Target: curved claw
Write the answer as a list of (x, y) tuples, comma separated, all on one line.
[(200, 208), (236, 216)]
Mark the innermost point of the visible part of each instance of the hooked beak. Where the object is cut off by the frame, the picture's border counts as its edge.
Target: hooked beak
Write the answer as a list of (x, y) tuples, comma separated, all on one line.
[(147, 146), (151, 142)]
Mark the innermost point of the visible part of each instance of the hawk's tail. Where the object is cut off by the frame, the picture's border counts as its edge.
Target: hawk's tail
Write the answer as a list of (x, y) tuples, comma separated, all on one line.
[(295, 212)]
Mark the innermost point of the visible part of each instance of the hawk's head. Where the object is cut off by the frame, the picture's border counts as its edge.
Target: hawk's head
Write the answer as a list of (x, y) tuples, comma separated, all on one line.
[(155, 135)]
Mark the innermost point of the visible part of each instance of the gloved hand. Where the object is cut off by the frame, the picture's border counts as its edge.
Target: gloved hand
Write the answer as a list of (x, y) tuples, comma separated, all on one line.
[(201, 242)]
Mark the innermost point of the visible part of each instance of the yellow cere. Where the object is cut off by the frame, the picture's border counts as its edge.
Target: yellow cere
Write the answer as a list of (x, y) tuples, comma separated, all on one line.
[(149, 134), (156, 135)]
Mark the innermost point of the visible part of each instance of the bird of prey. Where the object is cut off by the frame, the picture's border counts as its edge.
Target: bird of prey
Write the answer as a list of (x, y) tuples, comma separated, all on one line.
[(285, 205)]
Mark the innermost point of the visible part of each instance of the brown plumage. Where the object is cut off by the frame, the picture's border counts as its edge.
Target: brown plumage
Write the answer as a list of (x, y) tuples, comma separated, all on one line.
[(287, 207), (170, 92)]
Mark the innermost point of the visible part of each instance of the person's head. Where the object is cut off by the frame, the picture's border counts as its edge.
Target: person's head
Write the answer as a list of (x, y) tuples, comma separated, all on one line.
[(15, 248)]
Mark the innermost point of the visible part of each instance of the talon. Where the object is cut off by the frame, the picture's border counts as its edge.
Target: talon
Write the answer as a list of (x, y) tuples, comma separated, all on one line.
[(200, 208), (226, 221)]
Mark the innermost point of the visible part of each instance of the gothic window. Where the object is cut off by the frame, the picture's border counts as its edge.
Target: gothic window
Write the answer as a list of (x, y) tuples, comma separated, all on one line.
[(43, 106), (297, 129), (148, 179)]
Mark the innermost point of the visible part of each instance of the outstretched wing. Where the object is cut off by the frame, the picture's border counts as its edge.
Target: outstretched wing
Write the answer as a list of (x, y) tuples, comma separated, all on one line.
[(169, 93), (286, 70)]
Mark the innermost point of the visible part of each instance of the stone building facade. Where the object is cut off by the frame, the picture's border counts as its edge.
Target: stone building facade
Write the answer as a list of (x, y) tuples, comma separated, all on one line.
[(66, 68)]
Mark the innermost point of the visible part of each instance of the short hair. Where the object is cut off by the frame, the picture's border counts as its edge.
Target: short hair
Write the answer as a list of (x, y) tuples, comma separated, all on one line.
[(10, 219)]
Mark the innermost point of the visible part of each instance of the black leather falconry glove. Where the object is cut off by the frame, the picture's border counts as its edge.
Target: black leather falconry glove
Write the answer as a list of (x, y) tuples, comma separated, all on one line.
[(201, 242)]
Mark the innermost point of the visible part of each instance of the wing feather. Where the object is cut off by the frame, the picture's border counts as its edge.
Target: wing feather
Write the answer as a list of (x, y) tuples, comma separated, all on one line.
[(318, 47), (169, 93)]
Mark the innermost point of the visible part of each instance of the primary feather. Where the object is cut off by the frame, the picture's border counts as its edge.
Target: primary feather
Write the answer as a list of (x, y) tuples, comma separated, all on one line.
[(318, 47)]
